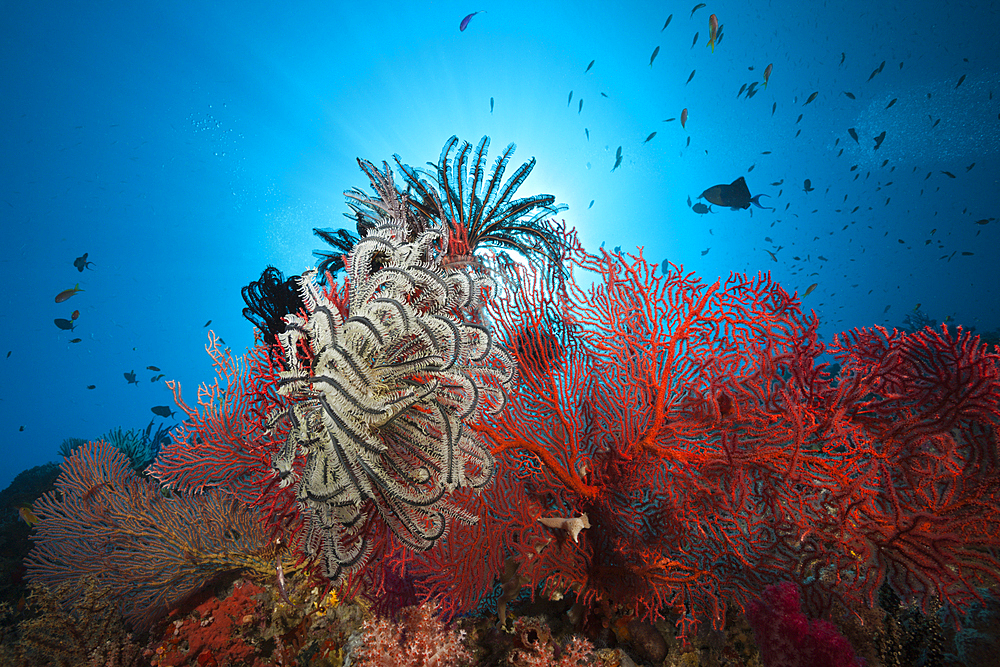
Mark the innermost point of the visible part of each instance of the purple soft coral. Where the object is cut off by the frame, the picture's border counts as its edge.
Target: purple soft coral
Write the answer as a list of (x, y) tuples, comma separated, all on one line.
[(786, 638)]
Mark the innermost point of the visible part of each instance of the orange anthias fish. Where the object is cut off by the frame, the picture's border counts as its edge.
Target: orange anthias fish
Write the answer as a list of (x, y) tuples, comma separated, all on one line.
[(26, 515), (713, 27), (767, 74), (67, 293), (684, 117)]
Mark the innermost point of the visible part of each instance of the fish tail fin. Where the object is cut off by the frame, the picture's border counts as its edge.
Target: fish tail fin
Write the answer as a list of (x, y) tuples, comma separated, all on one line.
[(757, 203)]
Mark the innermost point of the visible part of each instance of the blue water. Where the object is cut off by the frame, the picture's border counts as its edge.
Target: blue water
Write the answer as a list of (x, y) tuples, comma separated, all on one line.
[(184, 146)]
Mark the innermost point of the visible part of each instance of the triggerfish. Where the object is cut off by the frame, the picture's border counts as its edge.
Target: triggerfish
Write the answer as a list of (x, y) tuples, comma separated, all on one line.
[(713, 27), (736, 195), (767, 74)]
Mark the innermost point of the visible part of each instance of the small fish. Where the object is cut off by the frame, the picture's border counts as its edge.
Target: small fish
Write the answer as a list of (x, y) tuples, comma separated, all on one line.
[(653, 134), (811, 98), (695, 40), (684, 117), (491, 105), (690, 77), (667, 23), (879, 139), (742, 88), (809, 290), (206, 324), (807, 186), (696, 8), (713, 29), (774, 107), (65, 325), (705, 251), (701, 209), (935, 123), (591, 204), (771, 254), (767, 74), (162, 411), (798, 119), (91, 386), (618, 250), (887, 308), (589, 66), (81, 262), (130, 378), (21, 428), (948, 174), (618, 159), (892, 102), (653, 57), (663, 266), (854, 135), (850, 95), (67, 293), (969, 168), (465, 22), (587, 132), (74, 340), (843, 56), (580, 107), (960, 80), (156, 377), (670, 120), (777, 183), (25, 514), (570, 98), (75, 315), (152, 368)]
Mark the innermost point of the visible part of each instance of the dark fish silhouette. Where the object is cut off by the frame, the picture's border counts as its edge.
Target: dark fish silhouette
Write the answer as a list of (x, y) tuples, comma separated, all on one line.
[(811, 98), (653, 57), (589, 66), (65, 325), (206, 323), (81, 262), (156, 377), (591, 204), (850, 95), (690, 77), (854, 135), (162, 411), (879, 139), (652, 134), (491, 105), (130, 378), (570, 98), (667, 23), (807, 186), (152, 368), (736, 195), (587, 132), (663, 266), (696, 8), (948, 174), (72, 340), (891, 103), (618, 159), (960, 80), (465, 22), (91, 386), (695, 41), (705, 251), (581, 106), (701, 209)]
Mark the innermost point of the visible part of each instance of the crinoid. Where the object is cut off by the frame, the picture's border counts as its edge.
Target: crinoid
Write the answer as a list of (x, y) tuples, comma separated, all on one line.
[(381, 396), (475, 208)]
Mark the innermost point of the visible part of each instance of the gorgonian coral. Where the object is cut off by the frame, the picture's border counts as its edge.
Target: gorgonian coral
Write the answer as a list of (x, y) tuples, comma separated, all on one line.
[(382, 383)]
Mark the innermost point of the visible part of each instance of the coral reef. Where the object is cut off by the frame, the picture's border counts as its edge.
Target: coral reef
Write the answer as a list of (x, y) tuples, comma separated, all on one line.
[(419, 639), (149, 549)]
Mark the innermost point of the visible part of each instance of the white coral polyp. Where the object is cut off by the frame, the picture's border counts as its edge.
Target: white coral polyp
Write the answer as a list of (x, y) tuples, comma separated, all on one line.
[(380, 413)]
